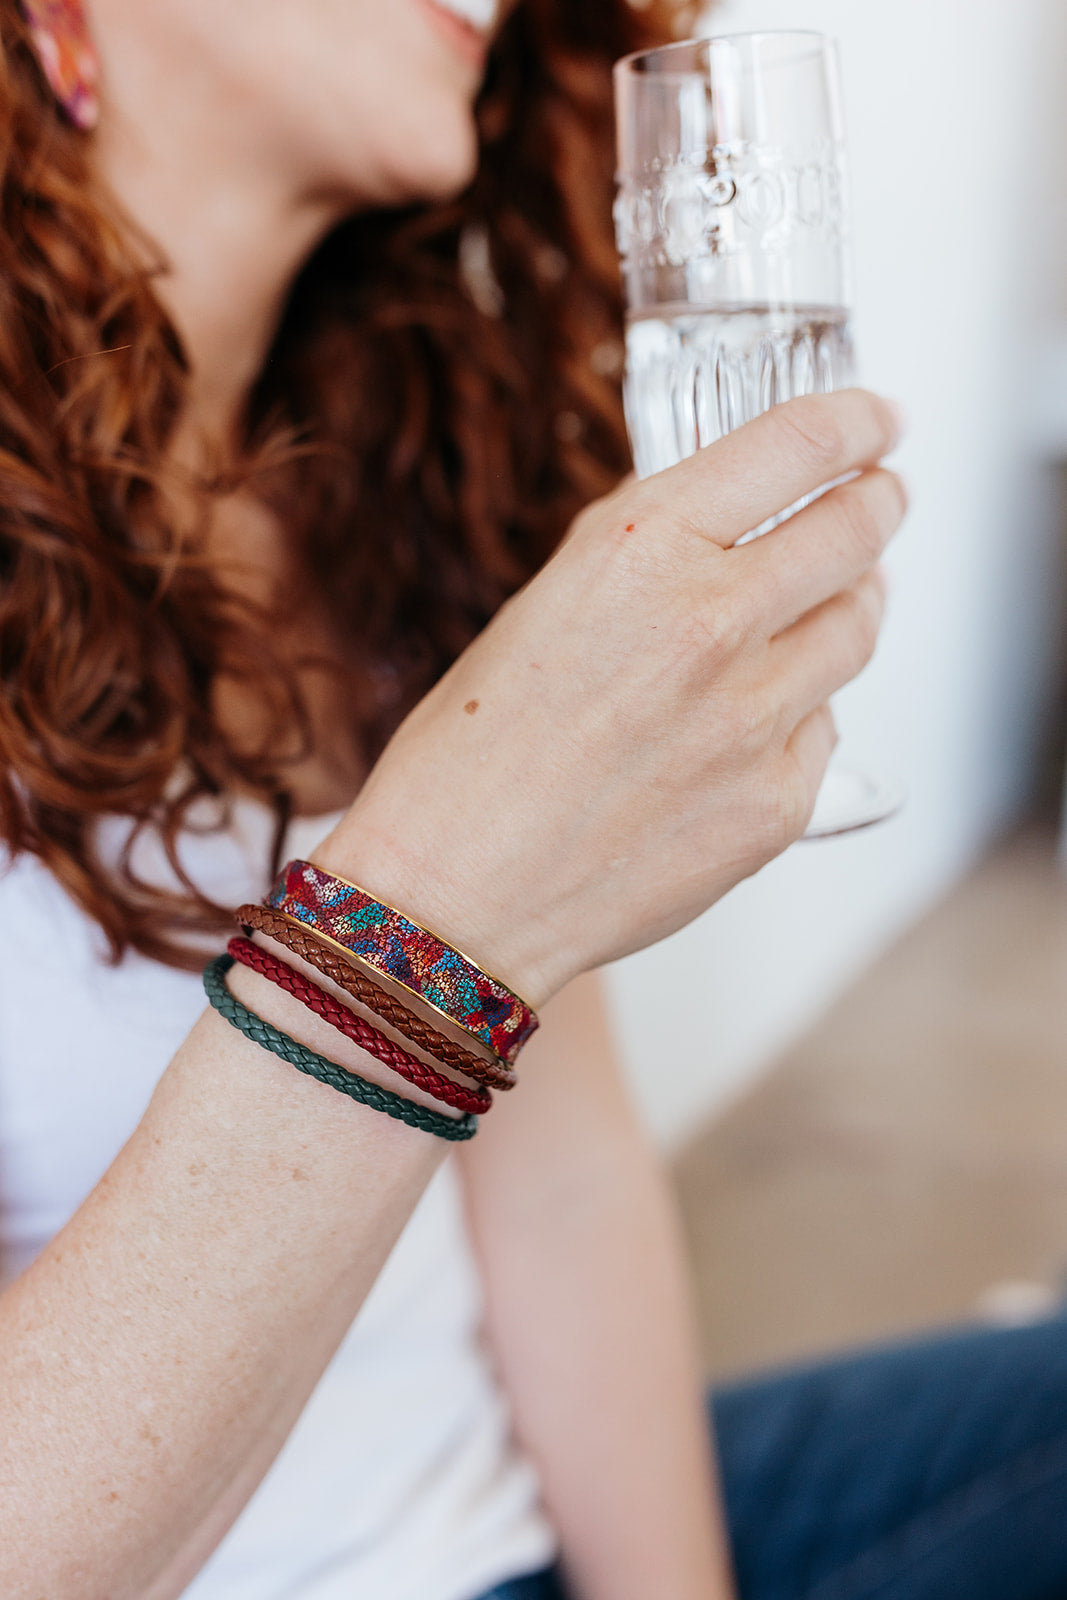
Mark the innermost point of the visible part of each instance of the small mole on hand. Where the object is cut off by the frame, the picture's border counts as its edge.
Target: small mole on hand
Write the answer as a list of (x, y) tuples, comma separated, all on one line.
[(471, 707), (630, 526)]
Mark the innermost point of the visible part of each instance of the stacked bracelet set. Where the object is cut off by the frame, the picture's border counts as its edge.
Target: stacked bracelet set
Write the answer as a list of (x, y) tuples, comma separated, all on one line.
[(342, 931)]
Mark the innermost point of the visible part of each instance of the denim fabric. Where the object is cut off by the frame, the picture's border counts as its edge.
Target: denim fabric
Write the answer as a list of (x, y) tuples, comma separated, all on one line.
[(538, 1586), (935, 1470)]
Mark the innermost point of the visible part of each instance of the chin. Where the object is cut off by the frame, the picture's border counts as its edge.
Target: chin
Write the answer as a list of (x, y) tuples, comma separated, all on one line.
[(446, 163), (447, 180)]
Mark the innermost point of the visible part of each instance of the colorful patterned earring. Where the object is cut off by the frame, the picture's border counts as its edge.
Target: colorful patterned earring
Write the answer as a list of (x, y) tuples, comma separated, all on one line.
[(68, 58)]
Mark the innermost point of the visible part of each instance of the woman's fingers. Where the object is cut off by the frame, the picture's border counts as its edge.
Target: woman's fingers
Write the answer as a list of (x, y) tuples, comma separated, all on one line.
[(826, 649), (824, 548), (730, 487)]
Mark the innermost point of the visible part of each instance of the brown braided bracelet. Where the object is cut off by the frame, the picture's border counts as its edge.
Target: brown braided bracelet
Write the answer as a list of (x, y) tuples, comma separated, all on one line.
[(296, 938), (359, 1030)]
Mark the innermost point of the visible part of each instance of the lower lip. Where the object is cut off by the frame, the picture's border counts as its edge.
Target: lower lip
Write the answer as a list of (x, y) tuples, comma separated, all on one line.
[(470, 44)]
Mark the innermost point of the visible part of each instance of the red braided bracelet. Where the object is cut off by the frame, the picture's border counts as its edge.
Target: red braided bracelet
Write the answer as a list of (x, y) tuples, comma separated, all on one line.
[(358, 1029), (310, 947)]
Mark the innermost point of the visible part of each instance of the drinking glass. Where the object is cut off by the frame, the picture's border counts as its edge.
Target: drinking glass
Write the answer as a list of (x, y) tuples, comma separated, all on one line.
[(732, 227)]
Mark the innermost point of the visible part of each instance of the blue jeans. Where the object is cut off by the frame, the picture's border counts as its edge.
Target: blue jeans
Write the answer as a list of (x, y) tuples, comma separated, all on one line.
[(935, 1470)]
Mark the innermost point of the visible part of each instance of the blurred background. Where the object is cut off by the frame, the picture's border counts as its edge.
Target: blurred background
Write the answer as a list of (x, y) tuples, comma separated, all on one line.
[(859, 1060)]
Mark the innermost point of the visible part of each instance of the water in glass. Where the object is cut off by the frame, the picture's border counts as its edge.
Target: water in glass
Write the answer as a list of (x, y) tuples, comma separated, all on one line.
[(694, 373)]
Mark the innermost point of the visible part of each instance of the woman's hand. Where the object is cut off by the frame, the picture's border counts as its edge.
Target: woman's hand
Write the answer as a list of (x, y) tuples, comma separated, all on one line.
[(645, 723)]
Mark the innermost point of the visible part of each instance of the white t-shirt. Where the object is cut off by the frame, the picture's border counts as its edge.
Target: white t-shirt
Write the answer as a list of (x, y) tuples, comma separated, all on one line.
[(400, 1481)]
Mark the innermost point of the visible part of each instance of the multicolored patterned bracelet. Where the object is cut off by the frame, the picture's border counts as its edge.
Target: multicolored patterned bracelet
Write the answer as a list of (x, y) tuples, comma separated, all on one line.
[(328, 960), (422, 963), (280, 1044), (359, 1030)]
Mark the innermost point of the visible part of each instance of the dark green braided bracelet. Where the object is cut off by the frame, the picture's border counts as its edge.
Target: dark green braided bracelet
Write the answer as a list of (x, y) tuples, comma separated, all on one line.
[(316, 1066)]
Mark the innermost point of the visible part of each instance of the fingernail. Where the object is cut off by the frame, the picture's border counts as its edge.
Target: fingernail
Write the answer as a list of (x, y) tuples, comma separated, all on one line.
[(901, 420)]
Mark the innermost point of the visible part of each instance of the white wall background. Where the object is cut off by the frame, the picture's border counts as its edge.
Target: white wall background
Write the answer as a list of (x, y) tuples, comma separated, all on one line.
[(957, 140)]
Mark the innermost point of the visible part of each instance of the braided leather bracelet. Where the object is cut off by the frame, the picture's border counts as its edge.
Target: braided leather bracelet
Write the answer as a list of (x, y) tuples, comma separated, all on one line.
[(280, 1044), (359, 1030), (301, 942), (384, 938)]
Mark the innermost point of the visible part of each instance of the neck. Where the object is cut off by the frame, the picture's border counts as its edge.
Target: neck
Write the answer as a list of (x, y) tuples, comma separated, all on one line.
[(232, 223)]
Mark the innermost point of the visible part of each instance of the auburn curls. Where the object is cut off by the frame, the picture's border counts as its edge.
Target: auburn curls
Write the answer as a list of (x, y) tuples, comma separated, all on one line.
[(442, 398)]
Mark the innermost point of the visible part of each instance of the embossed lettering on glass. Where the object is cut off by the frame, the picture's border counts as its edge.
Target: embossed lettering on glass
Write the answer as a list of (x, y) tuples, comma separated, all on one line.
[(732, 224)]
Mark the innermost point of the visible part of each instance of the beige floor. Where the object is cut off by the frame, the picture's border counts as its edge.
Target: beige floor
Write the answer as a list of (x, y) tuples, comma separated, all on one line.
[(911, 1153)]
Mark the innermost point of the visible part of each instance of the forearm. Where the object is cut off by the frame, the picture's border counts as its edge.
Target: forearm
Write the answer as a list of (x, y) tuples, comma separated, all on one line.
[(154, 1358), (590, 1321), (612, 1408)]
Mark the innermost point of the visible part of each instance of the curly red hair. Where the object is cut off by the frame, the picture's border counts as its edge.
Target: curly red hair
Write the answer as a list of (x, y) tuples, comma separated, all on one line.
[(448, 373)]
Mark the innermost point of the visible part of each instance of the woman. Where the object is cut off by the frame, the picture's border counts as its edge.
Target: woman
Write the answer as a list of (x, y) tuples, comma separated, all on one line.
[(284, 424)]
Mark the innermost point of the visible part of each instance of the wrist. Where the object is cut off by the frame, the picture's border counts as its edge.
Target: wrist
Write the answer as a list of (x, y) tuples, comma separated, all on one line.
[(453, 893)]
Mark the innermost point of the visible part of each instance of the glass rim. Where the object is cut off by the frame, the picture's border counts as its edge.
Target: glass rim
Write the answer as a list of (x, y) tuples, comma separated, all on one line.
[(627, 63)]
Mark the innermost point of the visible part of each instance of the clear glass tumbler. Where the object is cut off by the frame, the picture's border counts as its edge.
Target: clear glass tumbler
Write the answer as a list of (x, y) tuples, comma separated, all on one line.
[(732, 227)]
